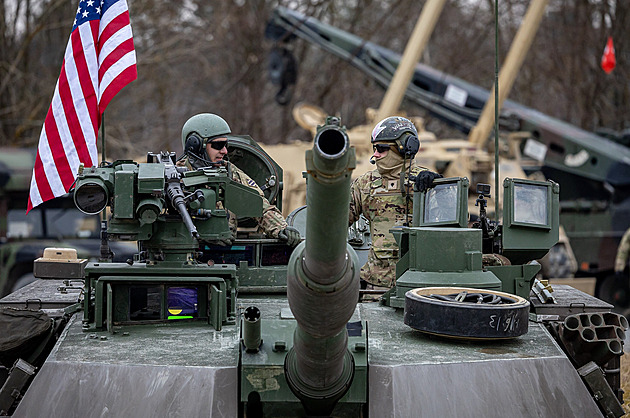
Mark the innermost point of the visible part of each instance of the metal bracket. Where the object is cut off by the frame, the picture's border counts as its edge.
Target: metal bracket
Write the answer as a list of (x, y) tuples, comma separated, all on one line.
[(594, 378)]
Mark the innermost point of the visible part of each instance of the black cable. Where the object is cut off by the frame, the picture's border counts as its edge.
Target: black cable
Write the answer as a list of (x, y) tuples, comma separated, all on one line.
[(404, 188)]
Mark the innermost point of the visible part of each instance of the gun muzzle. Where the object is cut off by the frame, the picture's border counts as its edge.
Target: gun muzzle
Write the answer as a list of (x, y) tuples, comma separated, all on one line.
[(323, 278)]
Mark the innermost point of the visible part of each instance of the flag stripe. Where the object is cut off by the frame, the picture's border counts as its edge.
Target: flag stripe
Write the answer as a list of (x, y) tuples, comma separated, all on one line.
[(87, 83), (99, 61), (109, 29), (65, 121), (111, 82), (58, 161), (44, 192), (113, 58), (110, 13), (122, 79), (51, 175)]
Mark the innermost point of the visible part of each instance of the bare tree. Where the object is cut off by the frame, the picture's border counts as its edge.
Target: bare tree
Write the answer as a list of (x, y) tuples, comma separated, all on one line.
[(198, 56)]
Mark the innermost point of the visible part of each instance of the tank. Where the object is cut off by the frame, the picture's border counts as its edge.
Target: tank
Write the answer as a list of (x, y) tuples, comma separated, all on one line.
[(259, 329)]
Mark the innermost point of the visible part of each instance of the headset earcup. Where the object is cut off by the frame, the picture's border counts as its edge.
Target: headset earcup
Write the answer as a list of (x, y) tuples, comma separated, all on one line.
[(412, 145), (408, 145), (193, 144)]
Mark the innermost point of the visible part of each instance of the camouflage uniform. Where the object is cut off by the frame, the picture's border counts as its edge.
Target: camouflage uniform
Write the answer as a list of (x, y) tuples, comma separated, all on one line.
[(623, 252), (382, 203), (272, 222)]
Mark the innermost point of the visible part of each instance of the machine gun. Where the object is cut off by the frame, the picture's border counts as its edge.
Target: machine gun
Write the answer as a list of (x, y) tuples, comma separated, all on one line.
[(168, 209), (174, 191), (487, 227)]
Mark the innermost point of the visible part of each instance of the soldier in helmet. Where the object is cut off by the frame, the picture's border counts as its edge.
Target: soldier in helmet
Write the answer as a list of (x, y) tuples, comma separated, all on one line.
[(383, 200), (204, 139)]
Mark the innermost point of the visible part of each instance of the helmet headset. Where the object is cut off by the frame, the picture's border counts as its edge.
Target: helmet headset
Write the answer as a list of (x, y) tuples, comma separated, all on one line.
[(198, 131), (399, 130)]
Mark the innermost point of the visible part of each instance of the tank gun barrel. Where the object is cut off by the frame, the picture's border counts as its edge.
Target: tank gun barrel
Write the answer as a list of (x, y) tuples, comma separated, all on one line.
[(323, 277)]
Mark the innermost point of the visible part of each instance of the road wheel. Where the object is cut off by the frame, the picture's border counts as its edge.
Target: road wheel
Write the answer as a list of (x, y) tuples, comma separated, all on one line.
[(466, 313)]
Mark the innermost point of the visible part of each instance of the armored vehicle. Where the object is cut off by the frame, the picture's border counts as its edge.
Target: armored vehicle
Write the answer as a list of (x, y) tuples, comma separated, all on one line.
[(593, 169), (257, 328), (56, 223)]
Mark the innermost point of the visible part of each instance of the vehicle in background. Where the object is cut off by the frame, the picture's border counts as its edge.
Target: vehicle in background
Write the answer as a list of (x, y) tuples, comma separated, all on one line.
[(594, 170), (56, 223)]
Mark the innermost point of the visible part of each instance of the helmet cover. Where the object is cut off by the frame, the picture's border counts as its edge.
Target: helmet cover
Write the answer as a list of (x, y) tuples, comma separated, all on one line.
[(392, 128)]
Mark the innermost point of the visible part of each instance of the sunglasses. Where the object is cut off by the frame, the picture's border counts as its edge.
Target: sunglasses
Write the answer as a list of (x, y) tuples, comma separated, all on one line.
[(218, 145), (381, 147)]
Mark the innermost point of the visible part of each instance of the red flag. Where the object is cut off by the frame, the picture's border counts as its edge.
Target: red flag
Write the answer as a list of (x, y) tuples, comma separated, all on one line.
[(99, 61), (608, 59)]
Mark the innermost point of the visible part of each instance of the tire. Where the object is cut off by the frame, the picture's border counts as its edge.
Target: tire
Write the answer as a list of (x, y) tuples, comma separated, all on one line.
[(615, 290), (426, 310)]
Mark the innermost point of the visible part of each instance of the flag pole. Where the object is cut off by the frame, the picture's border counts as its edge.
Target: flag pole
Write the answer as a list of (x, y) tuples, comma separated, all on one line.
[(106, 252), (103, 156)]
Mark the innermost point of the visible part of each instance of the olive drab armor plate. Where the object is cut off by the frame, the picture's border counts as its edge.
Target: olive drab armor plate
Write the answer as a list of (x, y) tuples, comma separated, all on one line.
[(247, 155)]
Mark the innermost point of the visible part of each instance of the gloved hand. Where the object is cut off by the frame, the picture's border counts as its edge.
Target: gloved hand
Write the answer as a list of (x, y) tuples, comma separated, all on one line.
[(424, 180), (226, 242), (291, 235)]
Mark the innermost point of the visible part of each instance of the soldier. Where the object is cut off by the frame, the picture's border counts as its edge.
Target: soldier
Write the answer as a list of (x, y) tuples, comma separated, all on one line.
[(204, 139), (380, 197), (622, 253)]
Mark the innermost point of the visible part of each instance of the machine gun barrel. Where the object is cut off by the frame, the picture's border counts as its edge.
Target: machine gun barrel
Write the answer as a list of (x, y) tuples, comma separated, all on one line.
[(176, 197), (323, 277)]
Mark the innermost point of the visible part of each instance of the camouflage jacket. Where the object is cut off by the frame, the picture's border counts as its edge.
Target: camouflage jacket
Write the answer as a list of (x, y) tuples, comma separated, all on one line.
[(383, 204), (271, 222), (623, 252)]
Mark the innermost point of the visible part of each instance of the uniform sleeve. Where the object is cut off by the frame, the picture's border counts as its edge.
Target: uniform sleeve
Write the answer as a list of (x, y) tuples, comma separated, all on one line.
[(271, 222), (356, 199), (622, 252)]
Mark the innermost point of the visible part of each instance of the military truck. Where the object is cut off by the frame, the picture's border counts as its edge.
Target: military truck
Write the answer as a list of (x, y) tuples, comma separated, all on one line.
[(593, 169), (57, 223), (257, 328)]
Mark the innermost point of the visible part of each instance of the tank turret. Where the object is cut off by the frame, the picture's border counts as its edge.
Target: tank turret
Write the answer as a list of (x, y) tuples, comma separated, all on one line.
[(323, 278)]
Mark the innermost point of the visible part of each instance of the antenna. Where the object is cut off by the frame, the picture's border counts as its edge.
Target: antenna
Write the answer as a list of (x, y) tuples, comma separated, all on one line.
[(496, 110)]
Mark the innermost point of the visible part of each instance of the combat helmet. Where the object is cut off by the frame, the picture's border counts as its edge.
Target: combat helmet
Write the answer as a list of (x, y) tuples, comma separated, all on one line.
[(201, 128), (399, 130)]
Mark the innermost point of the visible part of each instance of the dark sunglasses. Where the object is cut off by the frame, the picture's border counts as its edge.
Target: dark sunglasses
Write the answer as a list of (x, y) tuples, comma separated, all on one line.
[(218, 145), (381, 147)]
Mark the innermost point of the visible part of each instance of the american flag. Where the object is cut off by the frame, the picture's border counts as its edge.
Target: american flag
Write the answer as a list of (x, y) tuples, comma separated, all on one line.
[(99, 61)]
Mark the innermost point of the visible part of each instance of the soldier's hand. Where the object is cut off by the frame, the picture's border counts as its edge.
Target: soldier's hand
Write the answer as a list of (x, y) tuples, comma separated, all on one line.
[(290, 235), (424, 180), (226, 242)]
